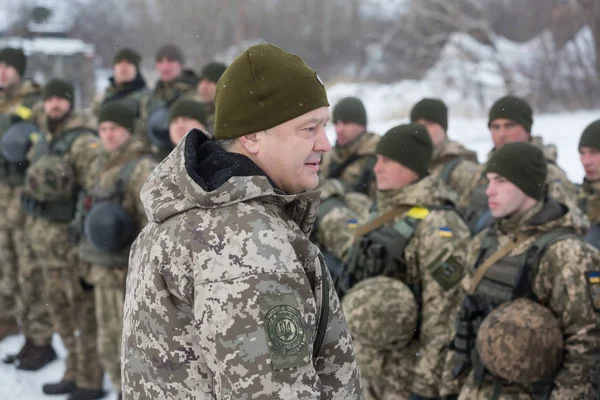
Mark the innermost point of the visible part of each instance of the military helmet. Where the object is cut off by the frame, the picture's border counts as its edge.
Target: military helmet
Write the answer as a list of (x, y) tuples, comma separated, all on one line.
[(381, 312), (16, 141), (50, 178), (109, 227), (521, 341), (158, 128)]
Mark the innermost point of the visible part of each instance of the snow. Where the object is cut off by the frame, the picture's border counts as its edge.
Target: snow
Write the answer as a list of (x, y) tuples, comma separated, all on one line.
[(49, 45)]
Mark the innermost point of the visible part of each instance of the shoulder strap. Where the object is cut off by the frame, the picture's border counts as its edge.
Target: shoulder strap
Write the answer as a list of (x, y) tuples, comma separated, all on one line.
[(448, 168), (63, 143), (417, 213), (324, 316), (366, 176), (538, 248), (336, 170), (125, 175)]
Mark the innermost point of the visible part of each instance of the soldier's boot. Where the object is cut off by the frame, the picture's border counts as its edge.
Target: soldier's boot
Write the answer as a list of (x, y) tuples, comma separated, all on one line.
[(8, 327), (62, 387), (11, 358), (86, 394), (37, 357)]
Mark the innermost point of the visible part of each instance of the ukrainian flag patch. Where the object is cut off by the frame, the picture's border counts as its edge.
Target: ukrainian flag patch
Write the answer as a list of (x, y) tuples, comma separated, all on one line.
[(593, 277), (445, 232), (352, 223)]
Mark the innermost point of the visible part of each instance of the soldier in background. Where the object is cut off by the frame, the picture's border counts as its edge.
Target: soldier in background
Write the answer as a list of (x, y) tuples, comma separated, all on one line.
[(111, 217), (209, 76), (352, 158), (589, 190), (452, 162), (415, 236), (59, 167), (534, 251), (127, 83)]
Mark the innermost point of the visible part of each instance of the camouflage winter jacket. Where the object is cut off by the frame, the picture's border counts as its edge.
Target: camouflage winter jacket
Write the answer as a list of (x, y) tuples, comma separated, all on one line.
[(225, 291), (589, 200), (434, 257), (130, 93), (563, 283), (352, 164)]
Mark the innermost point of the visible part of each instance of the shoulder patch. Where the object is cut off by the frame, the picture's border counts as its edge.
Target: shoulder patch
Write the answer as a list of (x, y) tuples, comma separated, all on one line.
[(446, 269), (593, 280), (418, 213), (285, 331)]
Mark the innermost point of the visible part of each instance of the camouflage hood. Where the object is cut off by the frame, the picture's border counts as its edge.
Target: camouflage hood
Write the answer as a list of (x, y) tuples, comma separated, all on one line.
[(549, 150), (429, 191), (546, 216), (450, 150), (199, 173)]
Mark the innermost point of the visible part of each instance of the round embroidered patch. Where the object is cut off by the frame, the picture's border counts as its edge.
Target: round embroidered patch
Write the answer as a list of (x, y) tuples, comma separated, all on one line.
[(285, 330)]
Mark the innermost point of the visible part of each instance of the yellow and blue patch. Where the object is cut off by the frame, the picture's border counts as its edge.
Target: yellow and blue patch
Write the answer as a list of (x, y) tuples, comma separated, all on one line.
[(593, 277), (352, 223), (445, 232)]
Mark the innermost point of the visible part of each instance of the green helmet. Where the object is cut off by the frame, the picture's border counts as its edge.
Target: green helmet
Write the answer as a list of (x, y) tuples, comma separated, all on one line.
[(521, 341), (381, 313), (50, 178)]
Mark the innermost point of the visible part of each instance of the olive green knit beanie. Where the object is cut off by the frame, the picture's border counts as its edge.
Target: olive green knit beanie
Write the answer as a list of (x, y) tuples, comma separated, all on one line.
[(513, 108), (409, 145), (591, 136), (433, 110), (118, 113), (350, 109)]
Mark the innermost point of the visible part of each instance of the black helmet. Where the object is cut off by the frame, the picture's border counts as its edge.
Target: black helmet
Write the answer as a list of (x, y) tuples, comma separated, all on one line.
[(158, 128), (108, 227), (16, 141)]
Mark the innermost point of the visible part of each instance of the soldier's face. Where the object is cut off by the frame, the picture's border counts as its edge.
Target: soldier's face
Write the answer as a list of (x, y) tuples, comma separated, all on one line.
[(507, 131), (391, 175), (590, 159), (168, 69), (207, 90), (56, 108), (112, 135), (347, 131), (291, 152), (504, 198), (124, 71), (180, 126), (435, 130), (8, 75)]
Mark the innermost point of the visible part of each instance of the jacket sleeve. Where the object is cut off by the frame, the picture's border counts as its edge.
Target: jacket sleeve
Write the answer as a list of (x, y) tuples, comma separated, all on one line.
[(257, 333), (85, 150), (142, 170), (563, 285)]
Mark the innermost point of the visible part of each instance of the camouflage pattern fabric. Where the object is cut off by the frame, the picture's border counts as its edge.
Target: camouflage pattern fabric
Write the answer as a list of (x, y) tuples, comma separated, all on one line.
[(109, 317), (589, 200), (564, 285), (364, 145), (224, 291), (440, 231), (129, 93)]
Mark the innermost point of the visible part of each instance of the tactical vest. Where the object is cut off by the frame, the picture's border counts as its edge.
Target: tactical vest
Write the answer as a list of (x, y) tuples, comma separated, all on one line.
[(366, 174), (62, 210), (116, 193), (448, 169), (13, 174), (508, 279)]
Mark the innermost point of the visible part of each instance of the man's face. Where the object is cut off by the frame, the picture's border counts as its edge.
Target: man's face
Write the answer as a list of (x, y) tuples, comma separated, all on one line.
[(56, 108), (435, 130), (207, 90), (8, 75), (112, 135), (504, 198), (590, 159), (347, 131), (391, 175), (291, 152), (168, 69), (180, 126), (124, 71), (507, 131)]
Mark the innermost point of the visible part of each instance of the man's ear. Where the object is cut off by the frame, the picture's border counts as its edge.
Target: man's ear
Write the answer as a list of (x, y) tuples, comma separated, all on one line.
[(250, 143)]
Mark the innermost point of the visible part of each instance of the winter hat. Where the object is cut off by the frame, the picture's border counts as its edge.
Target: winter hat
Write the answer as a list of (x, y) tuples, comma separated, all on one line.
[(119, 114), (350, 109), (129, 55), (591, 136), (409, 145), (190, 108), (524, 165), (15, 58), (265, 86), (513, 108), (213, 71), (433, 110), (170, 52), (59, 88)]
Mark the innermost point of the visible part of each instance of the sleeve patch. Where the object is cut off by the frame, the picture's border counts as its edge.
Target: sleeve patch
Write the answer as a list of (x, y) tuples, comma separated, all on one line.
[(593, 280)]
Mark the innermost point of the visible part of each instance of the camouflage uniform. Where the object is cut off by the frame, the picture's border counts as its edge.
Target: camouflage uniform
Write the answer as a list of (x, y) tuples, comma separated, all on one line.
[(559, 186), (455, 165), (17, 271), (563, 283), (225, 292), (353, 164), (70, 301), (165, 93), (127, 92), (109, 280), (589, 200), (433, 257)]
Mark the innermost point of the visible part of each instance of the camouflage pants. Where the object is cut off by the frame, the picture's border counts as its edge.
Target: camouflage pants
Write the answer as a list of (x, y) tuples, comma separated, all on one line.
[(109, 314), (9, 287), (33, 308)]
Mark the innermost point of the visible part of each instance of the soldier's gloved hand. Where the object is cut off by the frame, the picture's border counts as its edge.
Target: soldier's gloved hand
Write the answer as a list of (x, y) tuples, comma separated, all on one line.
[(414, 396), (85, 286)]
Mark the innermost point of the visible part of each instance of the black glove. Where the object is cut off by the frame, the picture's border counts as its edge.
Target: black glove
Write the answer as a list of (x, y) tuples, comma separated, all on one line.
[(85, 286), (414, 396)]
